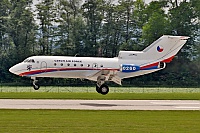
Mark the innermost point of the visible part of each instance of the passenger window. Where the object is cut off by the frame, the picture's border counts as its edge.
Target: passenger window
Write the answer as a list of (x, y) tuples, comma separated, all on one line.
[(74, 64), (81, 65), (54, 64), (68, 64), (88, 65), (101, 65), (61, 64)]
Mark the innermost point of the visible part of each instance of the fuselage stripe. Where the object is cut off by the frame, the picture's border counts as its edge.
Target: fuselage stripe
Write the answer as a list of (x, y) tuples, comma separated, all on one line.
[(40, 71)]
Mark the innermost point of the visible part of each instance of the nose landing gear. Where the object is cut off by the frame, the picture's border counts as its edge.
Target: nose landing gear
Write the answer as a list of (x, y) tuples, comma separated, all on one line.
[(35, 85)]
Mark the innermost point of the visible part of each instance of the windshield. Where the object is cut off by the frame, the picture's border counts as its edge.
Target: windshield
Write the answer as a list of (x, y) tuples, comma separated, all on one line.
[(29, 61)]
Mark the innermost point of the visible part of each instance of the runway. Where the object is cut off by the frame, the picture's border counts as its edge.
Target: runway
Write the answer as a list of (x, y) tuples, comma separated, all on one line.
[(100, 104)]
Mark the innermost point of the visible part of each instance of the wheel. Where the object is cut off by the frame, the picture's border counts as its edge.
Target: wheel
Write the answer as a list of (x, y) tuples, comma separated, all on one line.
[(36, 87), (104, 89), (97, 89)]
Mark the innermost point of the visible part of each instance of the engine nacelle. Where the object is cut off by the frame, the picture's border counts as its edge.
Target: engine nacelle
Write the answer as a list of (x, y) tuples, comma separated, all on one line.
[(128, 68)]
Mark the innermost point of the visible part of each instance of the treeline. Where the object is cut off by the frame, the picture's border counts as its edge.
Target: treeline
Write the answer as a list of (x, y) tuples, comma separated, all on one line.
[(99, 28)]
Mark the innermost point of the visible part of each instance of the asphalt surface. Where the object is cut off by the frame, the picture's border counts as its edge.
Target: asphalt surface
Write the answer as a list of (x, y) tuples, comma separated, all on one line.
[(101, 104)]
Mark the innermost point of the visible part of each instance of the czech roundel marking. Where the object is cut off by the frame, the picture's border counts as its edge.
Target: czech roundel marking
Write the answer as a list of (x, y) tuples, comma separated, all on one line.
[(160, 49)]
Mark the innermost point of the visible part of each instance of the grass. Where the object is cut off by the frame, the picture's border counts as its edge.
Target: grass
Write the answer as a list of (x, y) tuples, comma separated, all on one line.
[(34, 121), (96, 96), (116, 93), (59, 89)]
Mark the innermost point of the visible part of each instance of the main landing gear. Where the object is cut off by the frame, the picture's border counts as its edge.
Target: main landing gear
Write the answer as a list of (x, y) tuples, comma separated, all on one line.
[(35, 85), (101, 87)]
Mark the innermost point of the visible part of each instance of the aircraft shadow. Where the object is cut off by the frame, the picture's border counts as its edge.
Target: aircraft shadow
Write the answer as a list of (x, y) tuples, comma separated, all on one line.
[(112, 105), (98, 105)]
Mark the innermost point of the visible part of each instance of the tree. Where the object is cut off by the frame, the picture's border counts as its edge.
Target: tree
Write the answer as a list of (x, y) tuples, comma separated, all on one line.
[(4, 17), (17, 31), (5, 45), (184, 22), (70, 28), (93, 13), (108, 44), (21, 28), (157, 24), (46, 16), (118, 28)]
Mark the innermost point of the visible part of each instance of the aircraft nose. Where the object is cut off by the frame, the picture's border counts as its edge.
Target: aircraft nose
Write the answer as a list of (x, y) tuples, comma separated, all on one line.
[(12, 69), (15, 69)]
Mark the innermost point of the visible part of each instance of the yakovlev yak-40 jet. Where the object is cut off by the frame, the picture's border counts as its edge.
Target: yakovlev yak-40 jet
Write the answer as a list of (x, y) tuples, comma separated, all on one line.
[(127, 64)]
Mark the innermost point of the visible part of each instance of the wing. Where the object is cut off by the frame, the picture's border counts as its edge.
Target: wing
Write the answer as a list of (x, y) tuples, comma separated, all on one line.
[(106, 75)]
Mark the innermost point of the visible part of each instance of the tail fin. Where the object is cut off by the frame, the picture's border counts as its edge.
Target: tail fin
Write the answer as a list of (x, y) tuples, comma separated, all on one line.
[(165, 48), (162, 50)]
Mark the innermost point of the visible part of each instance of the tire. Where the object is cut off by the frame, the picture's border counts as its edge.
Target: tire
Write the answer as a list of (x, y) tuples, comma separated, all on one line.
[(36, 87), (104, 89), (98, 89)]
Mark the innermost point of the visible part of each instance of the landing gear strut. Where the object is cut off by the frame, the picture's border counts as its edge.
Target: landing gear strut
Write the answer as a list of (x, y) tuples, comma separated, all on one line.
[(101, 87), (35, 85)]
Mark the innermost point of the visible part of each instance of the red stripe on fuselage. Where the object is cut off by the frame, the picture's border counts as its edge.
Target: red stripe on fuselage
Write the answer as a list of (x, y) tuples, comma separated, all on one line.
[(149, 66), (62, 69), (169, 59), (157, 63)]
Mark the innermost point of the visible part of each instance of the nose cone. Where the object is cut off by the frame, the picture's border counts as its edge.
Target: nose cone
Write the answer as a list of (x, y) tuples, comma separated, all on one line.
[(15, 69), (12, 69)]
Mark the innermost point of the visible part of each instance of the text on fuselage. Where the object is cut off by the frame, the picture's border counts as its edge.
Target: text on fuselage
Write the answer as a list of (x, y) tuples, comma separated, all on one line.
[(68, 61)]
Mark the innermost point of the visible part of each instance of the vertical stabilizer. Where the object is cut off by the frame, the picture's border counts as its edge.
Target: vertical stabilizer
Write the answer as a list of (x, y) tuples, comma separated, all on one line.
[(166, 47)]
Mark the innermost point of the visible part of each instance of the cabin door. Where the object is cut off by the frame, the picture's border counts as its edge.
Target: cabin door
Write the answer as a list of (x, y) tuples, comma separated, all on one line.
[(43, 65)]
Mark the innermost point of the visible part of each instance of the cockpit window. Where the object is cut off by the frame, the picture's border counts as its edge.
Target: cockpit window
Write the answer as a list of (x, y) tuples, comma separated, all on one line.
[(25, 60), (29, 60), (32, 60)]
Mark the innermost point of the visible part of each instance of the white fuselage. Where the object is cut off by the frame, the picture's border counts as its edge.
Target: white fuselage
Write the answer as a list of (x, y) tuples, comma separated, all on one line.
[(74, 67)]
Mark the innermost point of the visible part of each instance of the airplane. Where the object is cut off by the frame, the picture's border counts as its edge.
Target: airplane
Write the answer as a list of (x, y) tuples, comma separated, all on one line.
[(128, 64)]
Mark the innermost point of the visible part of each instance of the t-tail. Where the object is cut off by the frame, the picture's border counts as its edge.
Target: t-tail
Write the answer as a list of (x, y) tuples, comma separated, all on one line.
[(162, 50), (151, 59)]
